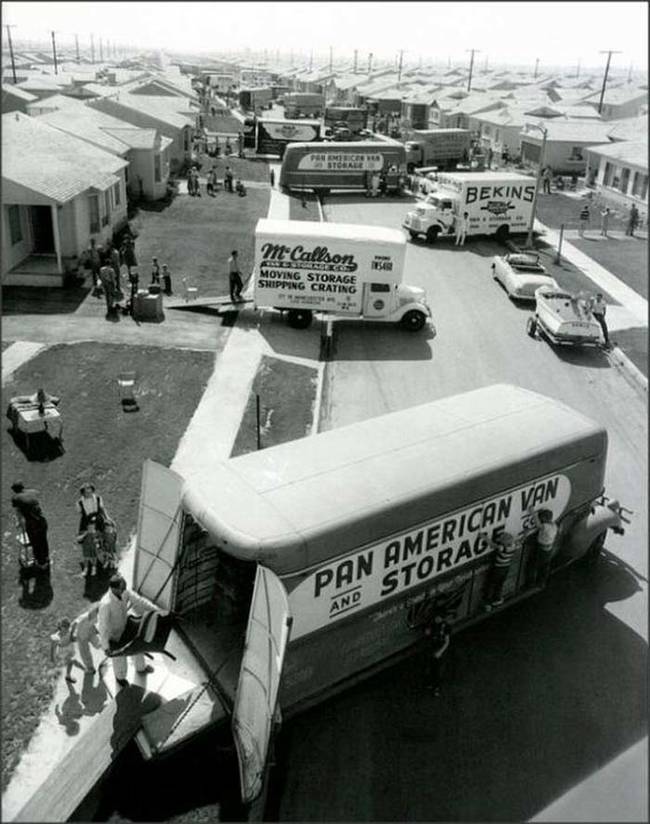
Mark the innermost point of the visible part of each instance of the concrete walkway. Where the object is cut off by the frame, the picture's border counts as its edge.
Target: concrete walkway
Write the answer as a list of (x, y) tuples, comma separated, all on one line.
[(17, 354)]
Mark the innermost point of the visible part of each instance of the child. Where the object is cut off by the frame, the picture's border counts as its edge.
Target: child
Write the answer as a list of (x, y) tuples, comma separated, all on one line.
[(63, 641), (239, 188), (155, 270), (167, 280), (91, 547), (84, 630), (107, 554)]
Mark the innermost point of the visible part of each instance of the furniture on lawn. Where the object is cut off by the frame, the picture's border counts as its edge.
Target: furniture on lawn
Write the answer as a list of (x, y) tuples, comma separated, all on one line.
[(126, 383), (191, 292), (148, 307), (28, 419)]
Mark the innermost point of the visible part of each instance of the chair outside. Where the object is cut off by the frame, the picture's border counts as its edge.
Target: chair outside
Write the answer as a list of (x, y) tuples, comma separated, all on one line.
[(126, 382), (191, 292)]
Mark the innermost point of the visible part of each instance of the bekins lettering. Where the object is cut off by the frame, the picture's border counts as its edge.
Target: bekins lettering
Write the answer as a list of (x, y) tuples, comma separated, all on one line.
[(525, 193), (320, 254)]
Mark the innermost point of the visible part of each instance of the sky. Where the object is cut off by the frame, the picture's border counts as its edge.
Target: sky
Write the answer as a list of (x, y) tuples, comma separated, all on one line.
[(558, 33)]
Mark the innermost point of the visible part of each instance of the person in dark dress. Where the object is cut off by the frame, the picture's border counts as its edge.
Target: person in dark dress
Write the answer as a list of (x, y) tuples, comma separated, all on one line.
[(31, 518)]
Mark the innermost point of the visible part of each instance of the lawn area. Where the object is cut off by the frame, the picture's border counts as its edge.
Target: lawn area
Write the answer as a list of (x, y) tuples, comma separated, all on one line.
[(634, 342), (247, 168), (195, 236), (106, 446)]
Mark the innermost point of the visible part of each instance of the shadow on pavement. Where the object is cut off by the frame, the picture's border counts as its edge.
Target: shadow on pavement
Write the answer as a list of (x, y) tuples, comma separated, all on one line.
[(593, 357), (536, 699), (376, 342), (42, 300)]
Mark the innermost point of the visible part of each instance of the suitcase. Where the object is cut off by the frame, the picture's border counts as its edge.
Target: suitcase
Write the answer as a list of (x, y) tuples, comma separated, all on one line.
[(154, 289)]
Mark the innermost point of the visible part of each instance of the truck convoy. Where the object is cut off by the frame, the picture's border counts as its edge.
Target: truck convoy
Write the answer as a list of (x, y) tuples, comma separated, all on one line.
[(497, 204), (343, 165), (355, 119), (302, 104), (294, 571), (444, 148), (253, 100), (273, 136), (345, 270)]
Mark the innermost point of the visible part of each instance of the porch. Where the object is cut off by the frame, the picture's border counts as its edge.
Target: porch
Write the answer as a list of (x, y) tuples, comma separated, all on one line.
[(35, 270)]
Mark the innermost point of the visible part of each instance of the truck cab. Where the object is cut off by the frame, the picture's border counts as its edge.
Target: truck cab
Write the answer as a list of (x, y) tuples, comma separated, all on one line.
[(436, 215), (396, 302)]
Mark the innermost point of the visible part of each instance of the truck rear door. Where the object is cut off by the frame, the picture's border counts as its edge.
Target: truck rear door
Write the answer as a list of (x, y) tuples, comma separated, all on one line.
[(159, 527), (267, 636)]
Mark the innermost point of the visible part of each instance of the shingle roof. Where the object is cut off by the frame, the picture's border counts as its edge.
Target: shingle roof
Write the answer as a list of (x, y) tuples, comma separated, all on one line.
[(42, 83), (581, 131), (50, 162), (634, 152), (631, 128), (135, 137), (91, 125), (56, 101), (622, 94), (16, 91)]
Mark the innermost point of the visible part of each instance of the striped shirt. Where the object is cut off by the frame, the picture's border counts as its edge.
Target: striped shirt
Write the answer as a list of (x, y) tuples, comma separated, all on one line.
[(505, 554)]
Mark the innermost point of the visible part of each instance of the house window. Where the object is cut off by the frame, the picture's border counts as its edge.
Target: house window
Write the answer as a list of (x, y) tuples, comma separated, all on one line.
[(640, 185), (15, 230), (93, 207), (156, 168), (107, 207), (625, 180), (576, 153), (609, 171), (616, 178), (117, 196)]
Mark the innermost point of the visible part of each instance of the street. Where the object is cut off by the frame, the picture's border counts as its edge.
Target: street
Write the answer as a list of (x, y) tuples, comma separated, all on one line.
[(540, 697)]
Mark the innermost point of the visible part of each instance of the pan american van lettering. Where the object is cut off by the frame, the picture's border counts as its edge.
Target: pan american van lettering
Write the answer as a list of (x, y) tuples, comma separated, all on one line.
[(417, 556)]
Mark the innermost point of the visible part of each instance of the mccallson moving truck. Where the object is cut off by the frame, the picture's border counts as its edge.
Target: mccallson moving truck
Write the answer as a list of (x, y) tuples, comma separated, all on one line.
[(444, 148), (498, 203), (296, 570), (339, 268)]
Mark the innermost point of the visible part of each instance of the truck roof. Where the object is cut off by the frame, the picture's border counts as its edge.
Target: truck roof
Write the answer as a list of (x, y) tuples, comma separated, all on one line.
[(300, 503), (427, 132), (303, 121), (365, 145), (487, 177), (341, 231)]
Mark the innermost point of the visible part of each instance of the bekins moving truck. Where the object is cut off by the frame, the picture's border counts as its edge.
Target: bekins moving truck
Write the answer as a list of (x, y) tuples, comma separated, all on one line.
[(296, 570), (339, 268), (438, 147), (497, 203)]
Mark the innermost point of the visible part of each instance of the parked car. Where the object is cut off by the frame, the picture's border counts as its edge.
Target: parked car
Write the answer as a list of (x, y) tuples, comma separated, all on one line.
[(521, 275), (563, 318)]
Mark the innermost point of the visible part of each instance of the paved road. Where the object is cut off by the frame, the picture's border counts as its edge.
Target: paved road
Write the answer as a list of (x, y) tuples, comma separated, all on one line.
[(542, 697)]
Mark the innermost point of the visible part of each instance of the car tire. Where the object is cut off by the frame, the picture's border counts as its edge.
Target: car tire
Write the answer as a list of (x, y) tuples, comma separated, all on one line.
[(502, 234), (432, 234), (531, 327), (413, 320), (299, 318)]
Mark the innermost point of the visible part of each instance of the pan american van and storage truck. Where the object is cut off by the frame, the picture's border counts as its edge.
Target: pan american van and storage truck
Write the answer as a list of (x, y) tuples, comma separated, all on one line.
[(341, 269), (444, 148), (343, 165), (294, 571), (498, 204)]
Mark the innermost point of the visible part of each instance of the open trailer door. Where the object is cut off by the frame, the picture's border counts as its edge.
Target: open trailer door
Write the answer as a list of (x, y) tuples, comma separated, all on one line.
[(159, 525), (267, 635)]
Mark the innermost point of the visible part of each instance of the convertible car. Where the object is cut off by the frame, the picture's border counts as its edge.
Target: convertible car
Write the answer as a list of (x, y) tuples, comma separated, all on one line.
[(521, 275), (563, 318)]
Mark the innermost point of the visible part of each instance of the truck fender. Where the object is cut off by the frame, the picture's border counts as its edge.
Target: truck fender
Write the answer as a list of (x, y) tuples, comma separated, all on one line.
[(584, 533), (408, 307)]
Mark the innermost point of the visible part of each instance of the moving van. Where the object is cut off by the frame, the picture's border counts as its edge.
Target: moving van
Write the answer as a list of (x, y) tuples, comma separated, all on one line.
[(253, 100), (355, 119), (303, 104), (343, 166), (338, 268), (274, 135), (444, 148), (295, 571), (498, 203)]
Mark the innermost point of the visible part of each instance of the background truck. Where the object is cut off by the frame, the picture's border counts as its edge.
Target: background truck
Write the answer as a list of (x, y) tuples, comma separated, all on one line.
[(273, 136), (303, 104), (344, 269), (497, 204), (444, 148), (253, 100), (354, 119)]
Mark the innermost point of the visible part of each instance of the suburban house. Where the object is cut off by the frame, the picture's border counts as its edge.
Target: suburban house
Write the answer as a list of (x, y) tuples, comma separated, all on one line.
[(50, 104), (42, 86), (150, 112), (15, 99), (631, 128), (619, 171), (566, 142), (455, 112), (620, 102), (57, 192), (147, 152)]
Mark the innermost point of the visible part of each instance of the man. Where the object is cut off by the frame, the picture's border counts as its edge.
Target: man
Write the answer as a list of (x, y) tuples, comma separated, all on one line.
[(111, 623), (546, 180), (546, 537), (115, 261), (633, 220), (461, 229), (234, 277), (227, 181), (604, 221), (107, 279), (598, 310), (504, 546), (436, 632), (584, 219), (33, 522), (95, 260)]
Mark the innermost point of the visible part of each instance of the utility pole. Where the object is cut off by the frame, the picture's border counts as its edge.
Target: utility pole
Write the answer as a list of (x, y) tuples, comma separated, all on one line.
[(356, 58), (399, 70), (101, 50), (108, 49), (578, 70), (11, 49), (485, 68), (471, 66), (629, 74), (536, 67), (330, 60), (311, 59), (92, 49), (76, 43), (369, 62), (56, 70), (609, 53)]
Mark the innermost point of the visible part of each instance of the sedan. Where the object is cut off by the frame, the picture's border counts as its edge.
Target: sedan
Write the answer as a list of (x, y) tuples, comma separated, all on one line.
[(521, 275)]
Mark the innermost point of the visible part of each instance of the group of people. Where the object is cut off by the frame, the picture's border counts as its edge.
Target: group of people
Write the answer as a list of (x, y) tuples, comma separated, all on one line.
[(632, 223), (106, 269), (212, 182)]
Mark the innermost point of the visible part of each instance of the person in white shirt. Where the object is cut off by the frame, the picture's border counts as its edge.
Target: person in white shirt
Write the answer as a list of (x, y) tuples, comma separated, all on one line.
[(461, 229), (112, 620), (598, 310), (547, 531)]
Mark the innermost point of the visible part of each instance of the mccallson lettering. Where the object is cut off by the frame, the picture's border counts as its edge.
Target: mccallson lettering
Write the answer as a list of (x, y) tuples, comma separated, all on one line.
[(320, 254)]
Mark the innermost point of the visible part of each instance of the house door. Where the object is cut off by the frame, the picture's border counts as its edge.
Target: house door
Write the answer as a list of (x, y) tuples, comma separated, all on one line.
[(42, 231)]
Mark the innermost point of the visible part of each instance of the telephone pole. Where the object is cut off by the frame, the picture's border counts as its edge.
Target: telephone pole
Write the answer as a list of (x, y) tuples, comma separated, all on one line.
[(311, 59), (101, 50), (11, 49), (609, 53), (399, 70), (330, 60), (369, 62), (629, 74), (76, 43), (356, 58), (536, 67), (471, 66), (56, 70), (92, 49), (578, 70), (485, 68)]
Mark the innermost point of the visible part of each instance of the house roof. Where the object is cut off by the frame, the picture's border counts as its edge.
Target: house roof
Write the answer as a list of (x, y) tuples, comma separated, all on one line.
[(164, 109), (16, 91), (54, 164), (137, 138), (619, 95), (580, 131), (42, 83), (634, 152), (630, 128), (56, 101)]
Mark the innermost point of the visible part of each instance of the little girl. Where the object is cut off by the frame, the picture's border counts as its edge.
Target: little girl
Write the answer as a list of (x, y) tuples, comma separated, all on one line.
[(63, 641), (92, 548)]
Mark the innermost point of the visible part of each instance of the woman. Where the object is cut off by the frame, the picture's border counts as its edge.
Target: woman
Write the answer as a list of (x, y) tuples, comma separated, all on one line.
[(90, 505)]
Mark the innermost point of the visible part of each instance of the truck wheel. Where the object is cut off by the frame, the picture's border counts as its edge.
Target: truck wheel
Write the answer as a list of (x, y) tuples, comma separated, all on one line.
[(299, 318), (592, 555), (413, 320), (502, 234), (432, 234), (531, 327), (410, 168), (413, 234)]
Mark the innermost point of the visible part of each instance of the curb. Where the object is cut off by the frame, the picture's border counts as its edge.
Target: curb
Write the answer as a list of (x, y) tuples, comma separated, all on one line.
[(629, 370)]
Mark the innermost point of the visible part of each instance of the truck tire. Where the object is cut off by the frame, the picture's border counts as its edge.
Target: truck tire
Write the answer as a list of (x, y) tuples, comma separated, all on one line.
[(432, 234), (591, 556), (413, 234), (413, 320), (531, 326), (502, 234), (410, 168), (299, 318)]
